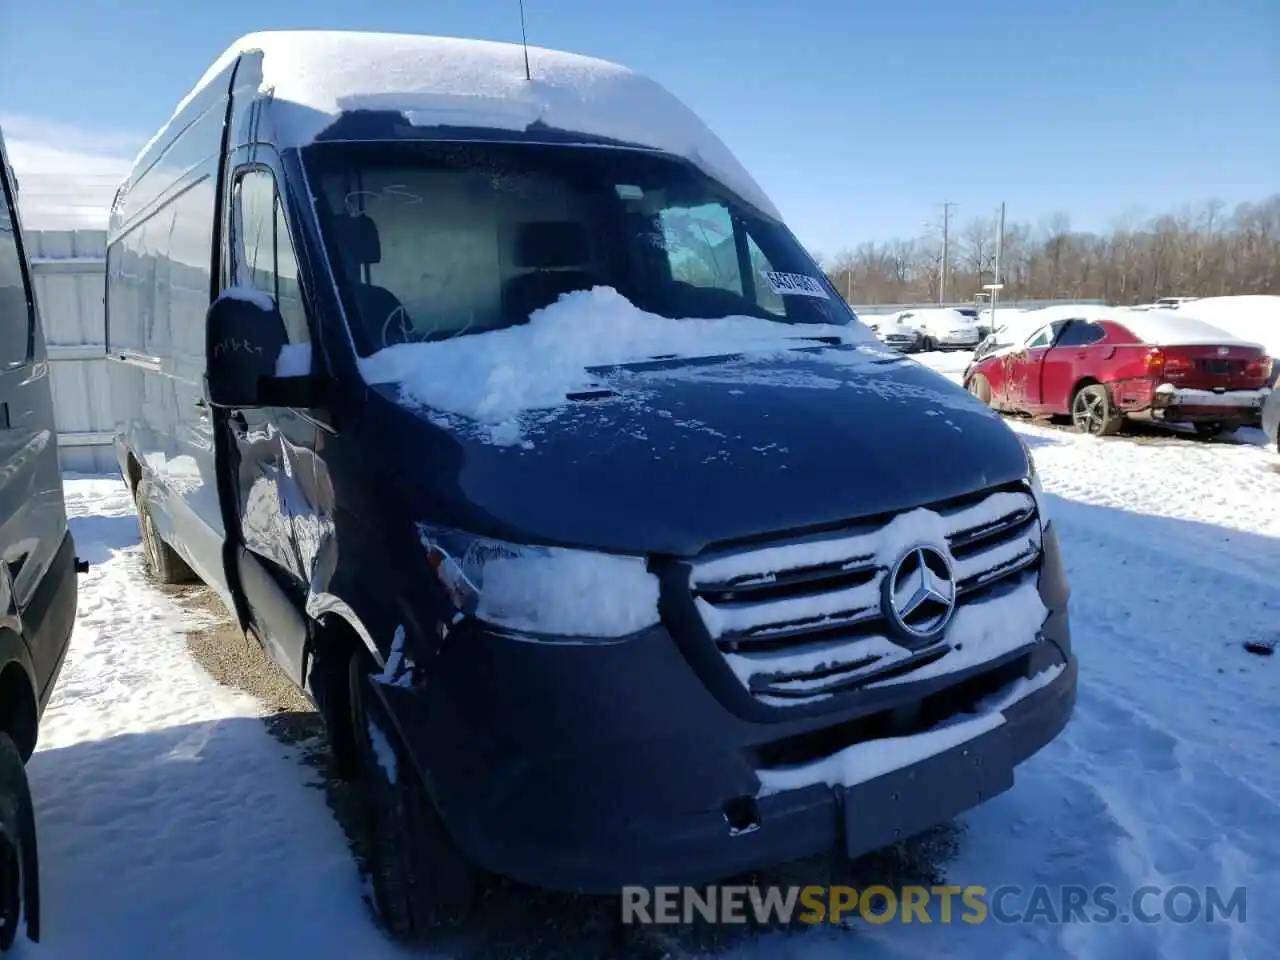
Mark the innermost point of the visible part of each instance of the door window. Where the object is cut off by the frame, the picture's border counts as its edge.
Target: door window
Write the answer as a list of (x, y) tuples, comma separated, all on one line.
[(262, 250), (1041, 339), (1080, 333), (16, 310)]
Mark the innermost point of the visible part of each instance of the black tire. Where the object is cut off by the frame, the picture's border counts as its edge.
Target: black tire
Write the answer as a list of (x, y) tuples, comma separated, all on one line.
[(1209, 430), (332, 692), (1093, 413), (19, 858), (162, 560), (927, 345), (423, 885)]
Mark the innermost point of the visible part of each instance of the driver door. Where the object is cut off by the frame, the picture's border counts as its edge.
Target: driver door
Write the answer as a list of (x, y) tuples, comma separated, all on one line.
[(1023, 370), (272, 449)]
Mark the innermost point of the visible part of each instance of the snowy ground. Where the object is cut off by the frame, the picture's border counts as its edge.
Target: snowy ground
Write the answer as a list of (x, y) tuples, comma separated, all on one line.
[(172, 824)]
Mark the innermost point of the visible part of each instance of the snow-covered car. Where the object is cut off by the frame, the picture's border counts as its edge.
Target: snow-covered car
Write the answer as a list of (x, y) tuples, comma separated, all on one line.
[(895, 335), (501, 435), (972, 313), (39, 582), (1143, 365), (942, 329)]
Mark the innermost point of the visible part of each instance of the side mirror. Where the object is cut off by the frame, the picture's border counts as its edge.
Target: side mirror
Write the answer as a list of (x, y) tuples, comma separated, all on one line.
[(249, 361)]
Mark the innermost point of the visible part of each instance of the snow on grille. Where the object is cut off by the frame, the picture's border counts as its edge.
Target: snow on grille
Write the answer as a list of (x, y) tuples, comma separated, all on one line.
[(800, 620)]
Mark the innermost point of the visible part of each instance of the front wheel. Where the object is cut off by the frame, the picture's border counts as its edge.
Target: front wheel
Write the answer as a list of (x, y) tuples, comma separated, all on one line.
[(1092, 412), (423, 885)]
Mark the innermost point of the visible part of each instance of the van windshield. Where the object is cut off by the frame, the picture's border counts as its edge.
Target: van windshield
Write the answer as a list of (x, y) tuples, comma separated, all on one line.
[(441, 240)]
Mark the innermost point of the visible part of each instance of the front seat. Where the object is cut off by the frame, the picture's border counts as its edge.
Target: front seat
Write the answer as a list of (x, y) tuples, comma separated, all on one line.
[(382, 316), (557, 255)]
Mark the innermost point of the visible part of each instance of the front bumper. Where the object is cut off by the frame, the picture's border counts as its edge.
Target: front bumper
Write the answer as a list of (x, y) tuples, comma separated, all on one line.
[(901, 344), (952, 341), (590, 768)]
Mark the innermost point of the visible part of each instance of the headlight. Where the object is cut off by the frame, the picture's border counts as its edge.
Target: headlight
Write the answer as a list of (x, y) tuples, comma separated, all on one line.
[(1037, 490), (548, 592)]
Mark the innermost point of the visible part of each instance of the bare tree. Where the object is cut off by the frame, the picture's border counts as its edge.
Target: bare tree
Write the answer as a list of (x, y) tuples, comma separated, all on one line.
[(1205, 250)]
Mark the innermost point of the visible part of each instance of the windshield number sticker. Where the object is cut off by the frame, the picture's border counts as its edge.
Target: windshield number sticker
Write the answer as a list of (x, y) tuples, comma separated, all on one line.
[(795, 285)]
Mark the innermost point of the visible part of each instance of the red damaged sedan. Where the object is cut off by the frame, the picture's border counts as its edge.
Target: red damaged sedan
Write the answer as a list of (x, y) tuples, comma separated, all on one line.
[(1142, 365)]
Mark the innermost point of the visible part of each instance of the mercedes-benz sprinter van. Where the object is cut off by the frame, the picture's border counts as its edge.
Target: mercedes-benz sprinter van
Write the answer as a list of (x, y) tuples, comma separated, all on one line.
[(501, 406)]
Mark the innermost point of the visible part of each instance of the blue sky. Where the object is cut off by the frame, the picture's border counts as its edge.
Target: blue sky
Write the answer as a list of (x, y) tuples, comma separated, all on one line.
[(858, 118)]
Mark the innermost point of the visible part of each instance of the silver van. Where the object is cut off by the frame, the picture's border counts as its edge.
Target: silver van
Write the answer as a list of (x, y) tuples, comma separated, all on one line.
[(38, 576)]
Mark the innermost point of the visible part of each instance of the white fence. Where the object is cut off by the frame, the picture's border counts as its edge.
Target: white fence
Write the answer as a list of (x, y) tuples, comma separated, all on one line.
[(67, 266)]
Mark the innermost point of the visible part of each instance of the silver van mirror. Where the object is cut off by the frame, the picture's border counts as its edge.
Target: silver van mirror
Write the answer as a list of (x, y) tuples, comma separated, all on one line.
[(244, 336)]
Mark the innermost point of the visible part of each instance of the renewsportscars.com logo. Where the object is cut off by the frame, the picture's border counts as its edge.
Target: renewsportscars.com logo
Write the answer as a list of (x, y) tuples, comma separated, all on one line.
[(783, 906)]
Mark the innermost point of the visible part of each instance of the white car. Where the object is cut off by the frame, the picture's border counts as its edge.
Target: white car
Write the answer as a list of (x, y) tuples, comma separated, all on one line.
[(942, 328), (894, 335)]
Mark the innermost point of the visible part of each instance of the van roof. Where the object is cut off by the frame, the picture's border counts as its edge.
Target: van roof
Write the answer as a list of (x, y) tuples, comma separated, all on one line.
[(311, 77)]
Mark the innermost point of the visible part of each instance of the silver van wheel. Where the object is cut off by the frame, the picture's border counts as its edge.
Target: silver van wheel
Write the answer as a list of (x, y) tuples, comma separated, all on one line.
[(162, 560)]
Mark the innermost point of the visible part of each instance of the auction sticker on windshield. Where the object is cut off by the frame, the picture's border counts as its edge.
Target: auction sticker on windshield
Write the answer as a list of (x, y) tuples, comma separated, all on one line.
[(794, 285)]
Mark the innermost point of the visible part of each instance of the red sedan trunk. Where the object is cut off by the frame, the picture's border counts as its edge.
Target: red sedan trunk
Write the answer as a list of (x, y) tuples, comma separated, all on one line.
[(1218, 367)]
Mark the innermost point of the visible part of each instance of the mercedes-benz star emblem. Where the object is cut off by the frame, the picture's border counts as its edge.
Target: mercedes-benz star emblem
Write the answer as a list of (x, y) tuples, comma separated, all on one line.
[(919, 595)]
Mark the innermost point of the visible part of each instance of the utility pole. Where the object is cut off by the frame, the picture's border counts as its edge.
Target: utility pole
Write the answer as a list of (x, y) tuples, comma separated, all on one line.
[(999, 244), (996, 286), (946, 238)]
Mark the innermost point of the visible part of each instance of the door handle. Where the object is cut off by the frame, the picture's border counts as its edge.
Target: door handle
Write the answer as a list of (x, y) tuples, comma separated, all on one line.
[(200, 402)]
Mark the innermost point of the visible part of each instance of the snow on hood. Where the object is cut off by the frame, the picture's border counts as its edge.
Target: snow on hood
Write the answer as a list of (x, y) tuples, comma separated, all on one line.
[(884, 327), (492, 379)]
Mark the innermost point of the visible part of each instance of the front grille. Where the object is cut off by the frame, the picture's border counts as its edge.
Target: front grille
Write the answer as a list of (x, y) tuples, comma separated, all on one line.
[(801, 619)]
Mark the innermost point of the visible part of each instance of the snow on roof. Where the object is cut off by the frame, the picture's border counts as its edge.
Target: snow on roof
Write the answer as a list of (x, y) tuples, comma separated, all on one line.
[(439, 81), (1165, 328), (1069, 311)]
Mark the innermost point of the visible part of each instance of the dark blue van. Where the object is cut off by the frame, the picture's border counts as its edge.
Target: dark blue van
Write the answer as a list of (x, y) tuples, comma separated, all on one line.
[(499, 404)]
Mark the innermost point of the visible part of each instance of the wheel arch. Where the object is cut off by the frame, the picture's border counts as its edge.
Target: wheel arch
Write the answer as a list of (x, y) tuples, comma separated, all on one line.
[(1080, 384), (19, 703), (133, 471)]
